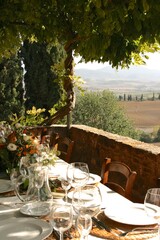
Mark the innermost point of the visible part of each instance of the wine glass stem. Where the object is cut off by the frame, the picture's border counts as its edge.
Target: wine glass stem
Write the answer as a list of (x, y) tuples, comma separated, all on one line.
[(39, 198), (66, 196), (84, 237), (61, 235)]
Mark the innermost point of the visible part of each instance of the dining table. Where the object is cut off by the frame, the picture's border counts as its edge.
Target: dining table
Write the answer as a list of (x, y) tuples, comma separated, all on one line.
[(117, 215)]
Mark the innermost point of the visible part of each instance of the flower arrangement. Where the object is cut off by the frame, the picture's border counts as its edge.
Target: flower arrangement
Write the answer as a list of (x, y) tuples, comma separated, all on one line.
[(17, 142)]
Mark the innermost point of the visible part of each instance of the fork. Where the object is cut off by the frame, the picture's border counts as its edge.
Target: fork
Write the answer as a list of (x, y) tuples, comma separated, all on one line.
[(123, 234), (138, 229)]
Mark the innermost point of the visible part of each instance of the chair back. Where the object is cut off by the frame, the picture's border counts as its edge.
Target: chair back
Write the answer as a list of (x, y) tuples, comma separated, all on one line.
[(118, 177), (60, 143), (65, 146)]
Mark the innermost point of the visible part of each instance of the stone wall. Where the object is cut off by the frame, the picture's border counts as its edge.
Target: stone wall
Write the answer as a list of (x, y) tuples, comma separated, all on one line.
[(93, 145)]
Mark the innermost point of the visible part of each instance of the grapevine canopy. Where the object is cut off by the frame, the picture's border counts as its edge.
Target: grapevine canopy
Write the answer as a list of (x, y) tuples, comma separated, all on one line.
[(101, 30), (118, 32)]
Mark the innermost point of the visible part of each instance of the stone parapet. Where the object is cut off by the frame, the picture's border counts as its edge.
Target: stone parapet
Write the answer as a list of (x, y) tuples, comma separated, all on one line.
[(92, 145)]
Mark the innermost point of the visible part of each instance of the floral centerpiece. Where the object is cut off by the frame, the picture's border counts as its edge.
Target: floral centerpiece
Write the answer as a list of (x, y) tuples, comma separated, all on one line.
[(16, 142)]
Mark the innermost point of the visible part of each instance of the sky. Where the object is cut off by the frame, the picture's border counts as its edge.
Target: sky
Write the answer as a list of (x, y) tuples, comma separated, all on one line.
[(152, 63)]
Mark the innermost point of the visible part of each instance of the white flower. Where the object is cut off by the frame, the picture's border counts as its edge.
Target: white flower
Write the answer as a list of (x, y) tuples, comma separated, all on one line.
[(12, 147), (26, 137), (18, 125)]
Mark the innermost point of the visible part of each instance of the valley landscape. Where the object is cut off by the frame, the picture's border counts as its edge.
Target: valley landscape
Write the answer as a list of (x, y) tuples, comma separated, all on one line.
[(145, 115)]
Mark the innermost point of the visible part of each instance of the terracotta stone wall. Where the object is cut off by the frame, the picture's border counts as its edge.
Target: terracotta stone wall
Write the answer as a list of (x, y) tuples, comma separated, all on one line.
[(93, 145)]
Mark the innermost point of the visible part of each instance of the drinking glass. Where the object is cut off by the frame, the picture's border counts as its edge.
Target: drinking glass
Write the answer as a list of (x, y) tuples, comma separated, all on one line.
[(23, 166), (17, 181), (61, 217), (152, 205), (14, 174), (87, 200), (66, 186), (78, 174), (84, 225), (39, 180)]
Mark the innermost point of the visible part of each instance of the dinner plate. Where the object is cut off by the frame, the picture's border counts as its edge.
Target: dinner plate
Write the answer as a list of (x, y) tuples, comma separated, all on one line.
[(5, 186), (6, 212), (132, 215), (24, 228), (36, 209), (93, 178)]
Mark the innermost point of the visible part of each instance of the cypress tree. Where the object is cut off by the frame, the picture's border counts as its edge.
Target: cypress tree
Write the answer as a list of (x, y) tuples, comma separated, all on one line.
[(42, 90), (11, 88)]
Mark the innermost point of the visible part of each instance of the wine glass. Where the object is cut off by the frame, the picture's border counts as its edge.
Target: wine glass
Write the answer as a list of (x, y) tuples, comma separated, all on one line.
[(39, 179), (152, 205), (87, 200), (61, 218), (66, 186), (84, 225), (78, 174)]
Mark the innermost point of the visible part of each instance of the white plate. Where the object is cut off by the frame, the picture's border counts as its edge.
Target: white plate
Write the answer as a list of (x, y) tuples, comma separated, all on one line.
[(93, 178), (133, 215), (5, 186), (36, 209), (24, 228)]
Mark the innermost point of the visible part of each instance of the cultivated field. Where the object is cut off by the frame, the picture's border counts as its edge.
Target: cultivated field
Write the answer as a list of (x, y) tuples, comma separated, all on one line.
[(145, 115)]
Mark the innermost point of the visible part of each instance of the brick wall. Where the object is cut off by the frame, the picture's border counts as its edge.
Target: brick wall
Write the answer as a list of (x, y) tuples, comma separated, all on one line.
[(93, 145)]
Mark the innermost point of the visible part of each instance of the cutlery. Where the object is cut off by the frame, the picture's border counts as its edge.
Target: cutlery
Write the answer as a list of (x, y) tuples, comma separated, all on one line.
[(104, 226), (139, 230), (56, 234), (101, 224)]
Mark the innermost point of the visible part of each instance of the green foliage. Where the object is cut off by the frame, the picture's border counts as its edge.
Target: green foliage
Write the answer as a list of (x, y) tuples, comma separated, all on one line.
[(39, 88), (42, 89), (31, 117), (114, 31), (101, 110), (120, 32), (11, 87), (145, 137), (153, 137), (157, 138)]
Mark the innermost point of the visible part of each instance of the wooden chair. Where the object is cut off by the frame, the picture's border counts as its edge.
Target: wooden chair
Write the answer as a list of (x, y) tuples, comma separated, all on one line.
[(118, 177), (49, 136), (65, 146), (60, 143)]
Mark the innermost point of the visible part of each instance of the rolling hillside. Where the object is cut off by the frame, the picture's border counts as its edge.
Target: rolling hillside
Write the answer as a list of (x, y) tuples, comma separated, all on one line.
[(136, 79)]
